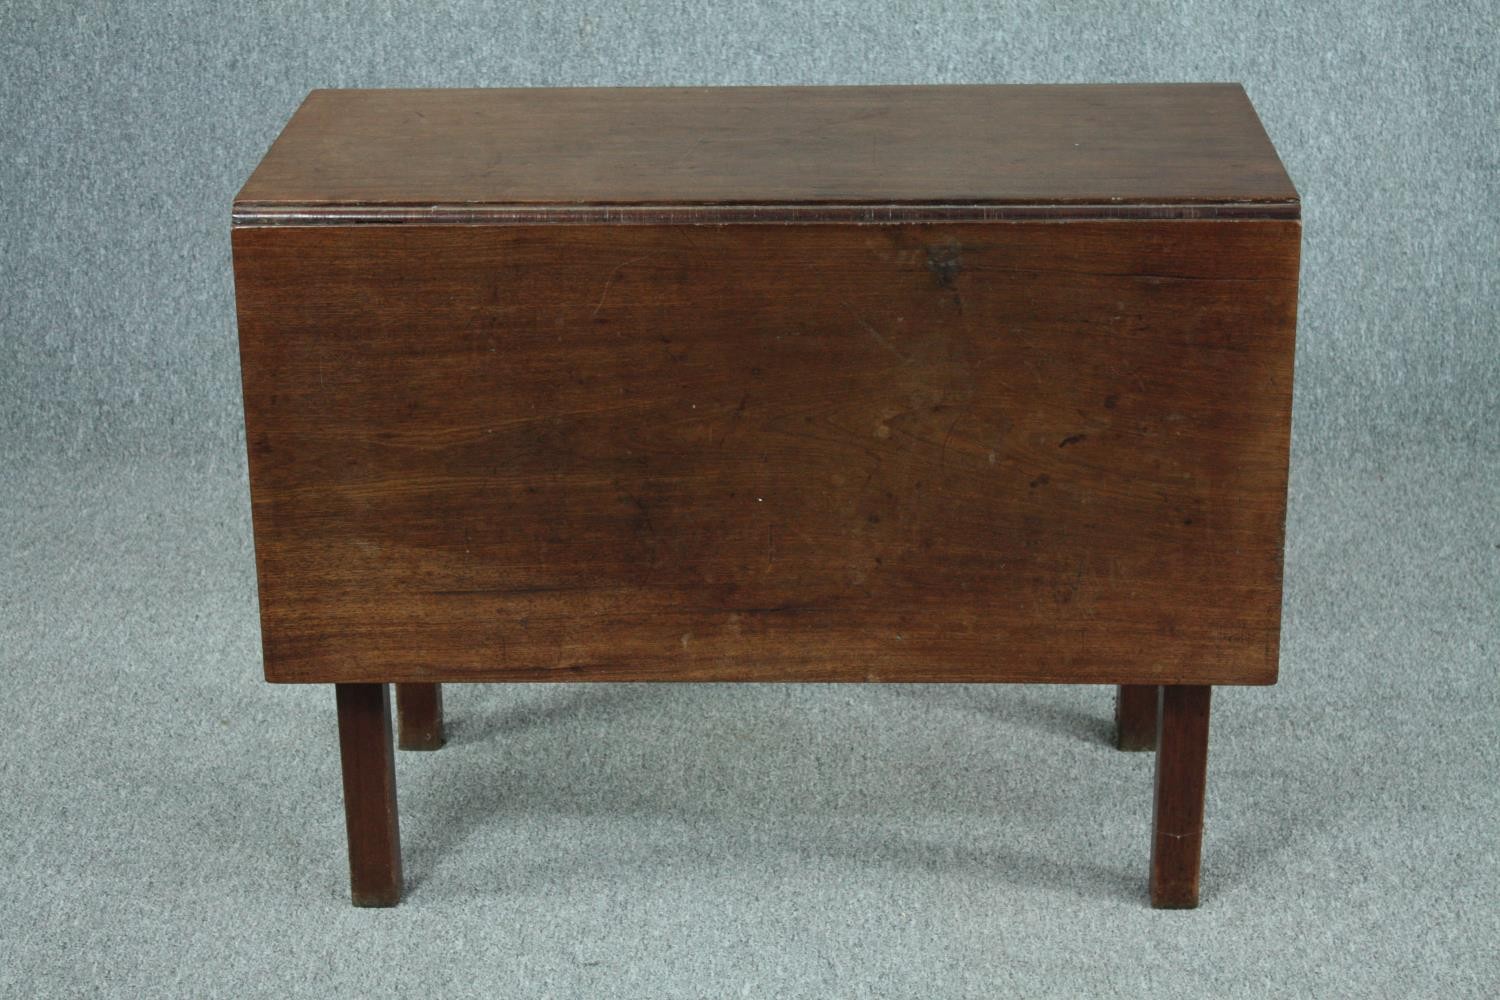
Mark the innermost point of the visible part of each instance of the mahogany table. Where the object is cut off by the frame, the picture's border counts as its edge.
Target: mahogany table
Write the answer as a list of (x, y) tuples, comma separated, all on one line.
[(959, 383)]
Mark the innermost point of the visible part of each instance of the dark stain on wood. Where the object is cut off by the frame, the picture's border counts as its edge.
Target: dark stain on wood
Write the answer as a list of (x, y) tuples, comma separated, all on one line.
[(945, 262)]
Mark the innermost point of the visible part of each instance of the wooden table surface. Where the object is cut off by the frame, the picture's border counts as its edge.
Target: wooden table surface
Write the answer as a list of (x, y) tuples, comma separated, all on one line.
[(746, 153)]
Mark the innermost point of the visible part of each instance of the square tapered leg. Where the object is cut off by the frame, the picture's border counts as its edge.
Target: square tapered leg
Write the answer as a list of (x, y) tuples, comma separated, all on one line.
[(419, 716), (369, 763), (1135, 717), (1181, 773)]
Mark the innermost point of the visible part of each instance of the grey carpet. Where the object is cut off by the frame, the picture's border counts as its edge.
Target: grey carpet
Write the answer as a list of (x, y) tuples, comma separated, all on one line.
[(171, 826)]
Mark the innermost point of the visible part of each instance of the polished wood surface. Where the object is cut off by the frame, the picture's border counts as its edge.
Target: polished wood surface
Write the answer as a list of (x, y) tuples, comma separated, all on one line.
[(369, 794), (1135, 717), (991, 452), (419, 716), (1181, 781), (770, 153), (956, 383)]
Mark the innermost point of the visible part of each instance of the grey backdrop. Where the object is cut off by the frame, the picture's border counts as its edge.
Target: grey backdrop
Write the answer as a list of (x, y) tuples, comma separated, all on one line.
[(171, 826)]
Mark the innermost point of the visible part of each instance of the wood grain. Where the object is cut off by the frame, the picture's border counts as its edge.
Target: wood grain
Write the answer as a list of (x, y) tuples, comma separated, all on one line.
[(1181, 782), (674, 155), (986, 452), (369, 768)]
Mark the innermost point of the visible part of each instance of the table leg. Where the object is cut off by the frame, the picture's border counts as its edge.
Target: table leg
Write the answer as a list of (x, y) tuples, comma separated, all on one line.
[(419, 716), (1135, 717), (1181, 773), (369, 793)]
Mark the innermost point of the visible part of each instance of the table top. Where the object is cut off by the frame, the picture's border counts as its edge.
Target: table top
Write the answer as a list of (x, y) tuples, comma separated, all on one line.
[(770, 154)]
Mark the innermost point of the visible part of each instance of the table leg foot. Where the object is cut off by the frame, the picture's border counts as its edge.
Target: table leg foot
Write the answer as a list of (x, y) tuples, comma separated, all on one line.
[(1135, 717), (369, 764), (1181, 773), (419, 714)]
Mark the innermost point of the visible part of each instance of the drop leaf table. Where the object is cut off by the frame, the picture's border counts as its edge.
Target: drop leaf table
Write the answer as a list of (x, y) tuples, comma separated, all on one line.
[(916, 384)]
